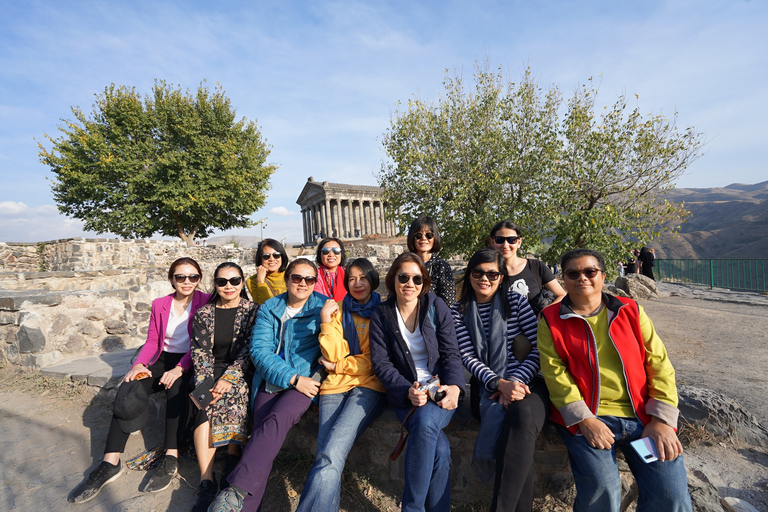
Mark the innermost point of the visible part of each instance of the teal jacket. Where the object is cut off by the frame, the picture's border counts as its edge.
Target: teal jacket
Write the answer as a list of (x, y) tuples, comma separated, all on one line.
[(302, 348)]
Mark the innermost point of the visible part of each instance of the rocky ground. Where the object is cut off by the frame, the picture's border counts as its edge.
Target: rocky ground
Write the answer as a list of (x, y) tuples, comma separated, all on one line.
[(51, 432)]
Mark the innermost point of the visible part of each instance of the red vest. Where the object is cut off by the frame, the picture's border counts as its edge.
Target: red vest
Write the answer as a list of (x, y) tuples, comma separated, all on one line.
[(576, 347)]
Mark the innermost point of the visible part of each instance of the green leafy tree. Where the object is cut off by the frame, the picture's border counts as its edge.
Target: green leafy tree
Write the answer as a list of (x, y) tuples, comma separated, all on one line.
[(471, 159), (502, 152), (173, 162), (616, 169)]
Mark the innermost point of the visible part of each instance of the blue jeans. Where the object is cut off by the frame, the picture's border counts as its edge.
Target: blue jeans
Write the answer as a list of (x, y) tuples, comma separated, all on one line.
[(343, 418), (427, 459), (662, 485)]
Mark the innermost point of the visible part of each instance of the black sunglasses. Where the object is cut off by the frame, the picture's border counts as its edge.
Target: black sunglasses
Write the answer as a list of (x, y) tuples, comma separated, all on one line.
[(589, 273), (404, 278), (509, 239), (276, 255), (492, 275), (180, 278), (234, 281), (298, 278), (428, 235), (327, 250)]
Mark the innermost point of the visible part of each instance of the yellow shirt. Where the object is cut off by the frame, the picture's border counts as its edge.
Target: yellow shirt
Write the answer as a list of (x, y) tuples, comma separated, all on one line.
[(351, 371), (262, 292)]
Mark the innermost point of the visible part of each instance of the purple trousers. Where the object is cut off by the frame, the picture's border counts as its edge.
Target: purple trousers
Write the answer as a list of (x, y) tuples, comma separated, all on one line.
[(273, 416)]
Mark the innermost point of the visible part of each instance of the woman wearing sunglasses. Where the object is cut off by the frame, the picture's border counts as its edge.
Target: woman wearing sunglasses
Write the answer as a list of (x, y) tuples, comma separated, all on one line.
[(351, 397), (285, 350), (222, 331), (163, 364), (611, 383), (269, 281), (513, 402), (330, 261), (424, 239), (412, 339), (528, 277)]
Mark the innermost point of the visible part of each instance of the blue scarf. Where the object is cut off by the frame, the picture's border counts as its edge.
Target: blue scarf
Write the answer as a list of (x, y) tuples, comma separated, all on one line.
[(350, 306)]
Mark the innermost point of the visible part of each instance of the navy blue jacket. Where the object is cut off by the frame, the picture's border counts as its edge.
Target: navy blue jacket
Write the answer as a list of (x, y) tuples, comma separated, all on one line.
[(392, 360)]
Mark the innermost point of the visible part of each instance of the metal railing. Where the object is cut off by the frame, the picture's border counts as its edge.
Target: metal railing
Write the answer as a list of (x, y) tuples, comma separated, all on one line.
[(747, 275)]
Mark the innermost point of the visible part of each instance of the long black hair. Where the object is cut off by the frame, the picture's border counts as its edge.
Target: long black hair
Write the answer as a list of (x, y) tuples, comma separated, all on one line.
[(227, 264), (274, 244), (485, 255)]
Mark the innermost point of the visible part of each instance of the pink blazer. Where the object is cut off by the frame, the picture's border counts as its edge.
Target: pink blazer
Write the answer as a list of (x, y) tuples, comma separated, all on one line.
[(158, 321)]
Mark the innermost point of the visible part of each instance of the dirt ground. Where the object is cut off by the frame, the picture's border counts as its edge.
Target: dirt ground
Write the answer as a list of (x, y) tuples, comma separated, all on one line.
[(51, 433)]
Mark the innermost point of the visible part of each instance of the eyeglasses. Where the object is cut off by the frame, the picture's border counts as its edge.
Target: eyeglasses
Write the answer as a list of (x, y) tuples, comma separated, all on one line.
[(298, 278), (589, 273), (509, 239), (234, 281), (276, 255), (418, 280), (492, 275), (180, 278), (428, 235), (327, 250)]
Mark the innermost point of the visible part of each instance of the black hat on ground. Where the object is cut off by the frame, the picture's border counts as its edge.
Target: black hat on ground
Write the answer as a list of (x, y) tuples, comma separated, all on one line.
[(131, 407)]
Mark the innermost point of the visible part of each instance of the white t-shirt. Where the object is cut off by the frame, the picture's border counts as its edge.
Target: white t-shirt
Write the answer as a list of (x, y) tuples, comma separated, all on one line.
[(176, 332), (418, 348), (287, 315)]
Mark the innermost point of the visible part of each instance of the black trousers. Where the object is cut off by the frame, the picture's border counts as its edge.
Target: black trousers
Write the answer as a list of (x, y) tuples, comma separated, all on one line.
[(513, 487), (176, 404)]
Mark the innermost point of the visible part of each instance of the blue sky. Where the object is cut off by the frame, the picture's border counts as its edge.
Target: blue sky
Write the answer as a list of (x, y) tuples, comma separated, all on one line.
[(322, 78)]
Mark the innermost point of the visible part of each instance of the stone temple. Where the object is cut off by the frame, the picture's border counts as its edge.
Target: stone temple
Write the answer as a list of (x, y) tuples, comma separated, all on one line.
[(343, 211)]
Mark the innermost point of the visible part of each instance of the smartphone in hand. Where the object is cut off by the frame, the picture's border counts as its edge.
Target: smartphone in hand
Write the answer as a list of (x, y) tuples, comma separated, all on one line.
[(646, 448)]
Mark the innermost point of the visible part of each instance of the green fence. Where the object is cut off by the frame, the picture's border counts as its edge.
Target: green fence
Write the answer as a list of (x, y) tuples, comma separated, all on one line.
[(734, 274)]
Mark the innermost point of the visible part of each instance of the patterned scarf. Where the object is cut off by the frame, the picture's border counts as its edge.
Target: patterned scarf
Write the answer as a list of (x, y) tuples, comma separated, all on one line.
[(350, 306)]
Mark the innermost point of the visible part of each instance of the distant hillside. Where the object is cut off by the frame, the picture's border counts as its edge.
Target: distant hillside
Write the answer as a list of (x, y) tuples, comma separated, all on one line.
[(729, 222)]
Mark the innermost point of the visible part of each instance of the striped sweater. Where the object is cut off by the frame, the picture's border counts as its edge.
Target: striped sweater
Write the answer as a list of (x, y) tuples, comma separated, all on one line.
[(521, 320)]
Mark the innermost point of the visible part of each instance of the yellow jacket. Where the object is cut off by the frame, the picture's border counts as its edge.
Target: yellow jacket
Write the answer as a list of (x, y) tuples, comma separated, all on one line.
[(262, 292), (351, 371)]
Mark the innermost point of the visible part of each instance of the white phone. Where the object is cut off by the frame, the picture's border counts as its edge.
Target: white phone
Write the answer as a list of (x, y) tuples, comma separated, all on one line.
[(646, 448)]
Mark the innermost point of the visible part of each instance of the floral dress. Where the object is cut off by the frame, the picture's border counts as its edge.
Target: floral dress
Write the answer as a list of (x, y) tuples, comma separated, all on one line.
[(229, 415)]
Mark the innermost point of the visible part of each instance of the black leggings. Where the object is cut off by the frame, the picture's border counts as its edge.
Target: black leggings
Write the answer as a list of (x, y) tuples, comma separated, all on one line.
[(513, 488), (175, 404)]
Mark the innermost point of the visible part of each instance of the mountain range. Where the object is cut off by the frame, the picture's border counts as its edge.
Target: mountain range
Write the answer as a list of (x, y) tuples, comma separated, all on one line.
[(725, 222)]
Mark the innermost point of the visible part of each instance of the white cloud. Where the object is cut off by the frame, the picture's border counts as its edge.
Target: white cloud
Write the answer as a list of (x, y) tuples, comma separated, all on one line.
[(281, 211), (22, 223)]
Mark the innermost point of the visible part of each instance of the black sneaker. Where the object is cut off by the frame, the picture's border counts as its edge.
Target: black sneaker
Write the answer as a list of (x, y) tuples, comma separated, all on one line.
[(206, 493), (163, 475), (230, 461), (99, 477)]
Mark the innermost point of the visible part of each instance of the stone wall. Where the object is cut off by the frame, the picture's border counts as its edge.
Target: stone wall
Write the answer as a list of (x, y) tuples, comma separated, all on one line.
[(83, 254)]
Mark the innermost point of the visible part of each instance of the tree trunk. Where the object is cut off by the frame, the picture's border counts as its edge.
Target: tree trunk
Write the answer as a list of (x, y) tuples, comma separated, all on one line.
[(188, 238)]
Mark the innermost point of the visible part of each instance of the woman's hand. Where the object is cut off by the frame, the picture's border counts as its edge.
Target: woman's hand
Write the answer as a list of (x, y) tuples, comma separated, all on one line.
[(417, 396), (597, 433), (501, 398), (331, 367), (330, 308), (513, 390), (667, 443), (169, 377), (220, 389), (451, 399), (133, 372), (261, 274), (307, 386)]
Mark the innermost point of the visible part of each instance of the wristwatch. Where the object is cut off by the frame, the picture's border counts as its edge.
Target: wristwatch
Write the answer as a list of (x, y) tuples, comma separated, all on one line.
[(493, 384), (291, 384)]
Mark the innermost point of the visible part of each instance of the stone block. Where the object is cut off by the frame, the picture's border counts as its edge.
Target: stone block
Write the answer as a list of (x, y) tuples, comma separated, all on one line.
[(41, 360), (106, 378), (12, 354), (60, 322), (96, 314), (12, 300), (112, 343), (31, 340), (89, 329), (75, 343), (9, 318), (115, 326), (142, 306)]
